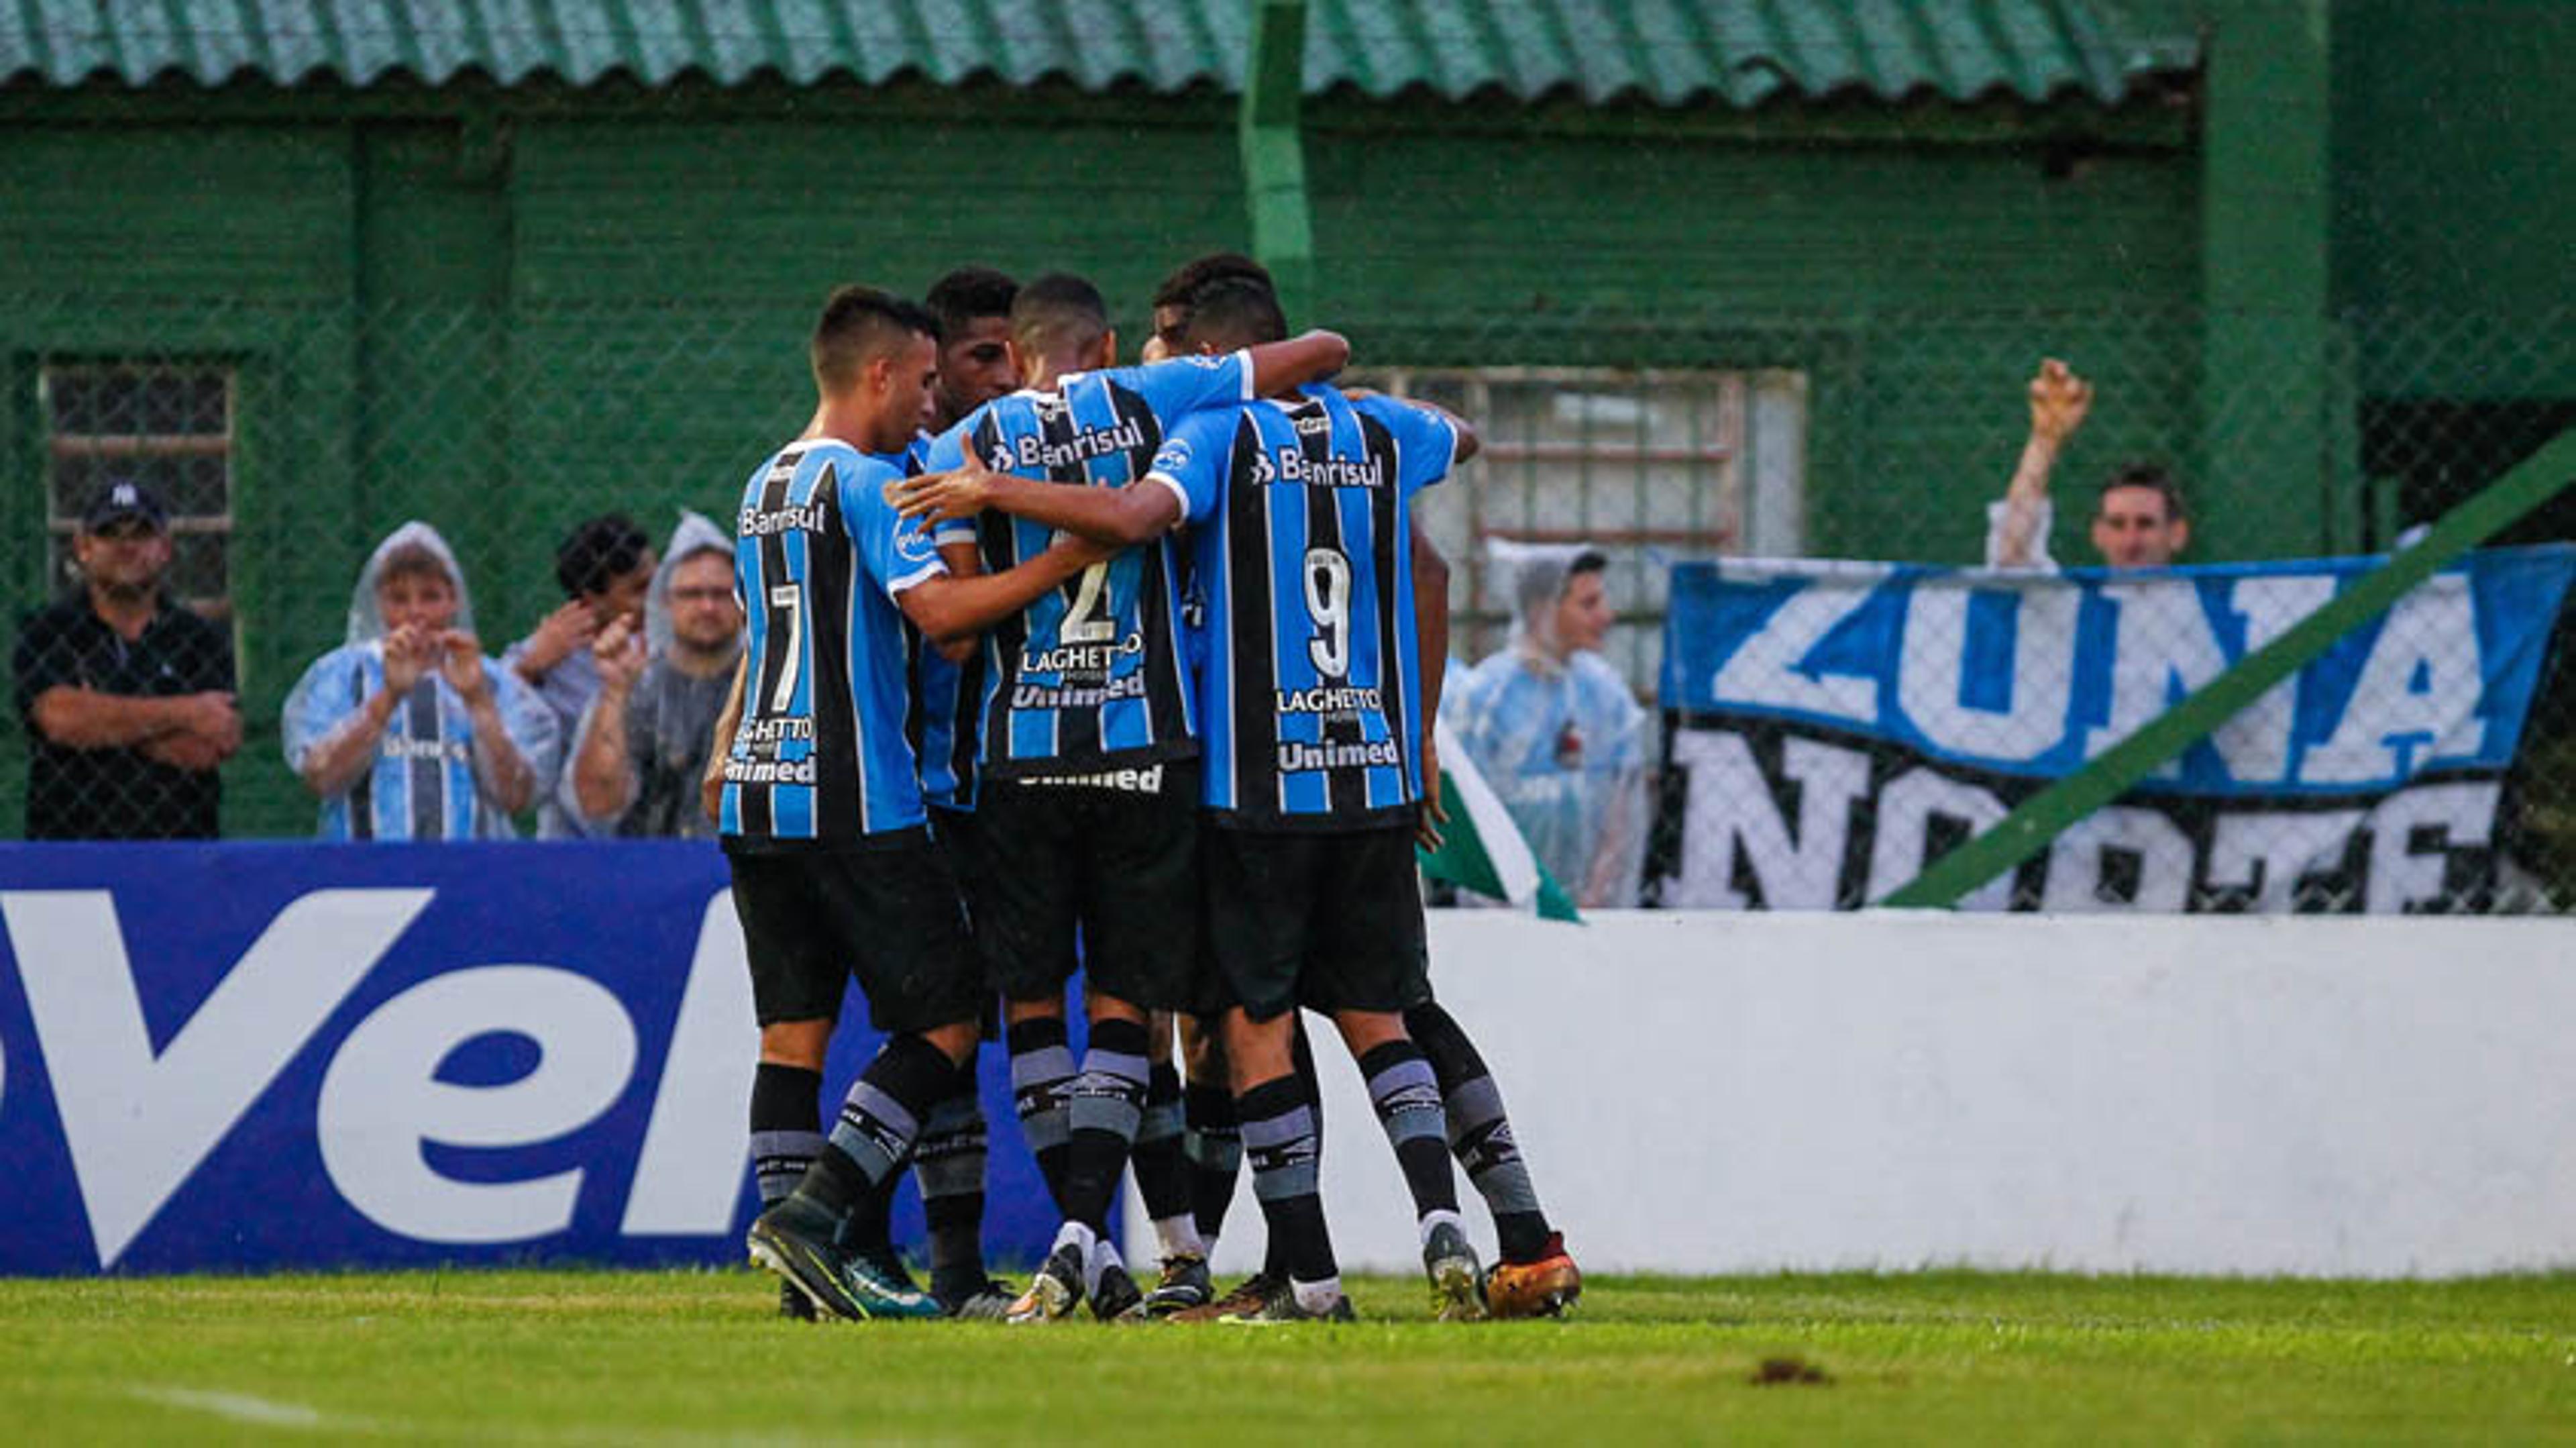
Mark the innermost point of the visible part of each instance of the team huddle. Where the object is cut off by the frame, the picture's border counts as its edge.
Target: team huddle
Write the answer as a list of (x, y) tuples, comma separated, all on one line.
[(1053, 664)]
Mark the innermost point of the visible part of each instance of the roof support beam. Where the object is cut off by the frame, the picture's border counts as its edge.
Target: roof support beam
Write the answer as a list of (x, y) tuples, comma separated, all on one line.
[(2271, 484), (1274, 156)]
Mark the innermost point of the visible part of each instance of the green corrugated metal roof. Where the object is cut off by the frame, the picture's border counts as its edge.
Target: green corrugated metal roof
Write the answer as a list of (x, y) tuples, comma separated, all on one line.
[(1670, 52)]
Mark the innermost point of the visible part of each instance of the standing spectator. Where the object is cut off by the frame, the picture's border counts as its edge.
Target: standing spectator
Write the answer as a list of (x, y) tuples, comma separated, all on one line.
[(1554, 728), (406, 731), (127, 697), (2138, 520), (643, 741), (606, 568)]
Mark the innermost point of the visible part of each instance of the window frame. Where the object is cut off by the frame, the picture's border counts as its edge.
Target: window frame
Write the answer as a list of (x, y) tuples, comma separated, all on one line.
[(57, 448)]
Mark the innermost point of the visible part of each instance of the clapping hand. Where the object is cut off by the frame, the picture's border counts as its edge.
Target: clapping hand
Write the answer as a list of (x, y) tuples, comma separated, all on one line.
[(557, 637), (620, 653), (461, 664), (409, 653)]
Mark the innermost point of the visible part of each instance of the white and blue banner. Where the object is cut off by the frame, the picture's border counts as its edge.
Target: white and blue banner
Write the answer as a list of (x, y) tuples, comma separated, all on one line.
[(257, 1056), (1833, 727)]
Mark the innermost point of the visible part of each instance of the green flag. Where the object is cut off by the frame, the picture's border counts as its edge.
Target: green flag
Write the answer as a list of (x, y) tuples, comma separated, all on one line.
[(1482, 850)]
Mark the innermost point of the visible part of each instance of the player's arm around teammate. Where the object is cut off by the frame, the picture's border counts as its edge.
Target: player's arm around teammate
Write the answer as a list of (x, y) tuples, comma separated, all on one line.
[(1120, 517)]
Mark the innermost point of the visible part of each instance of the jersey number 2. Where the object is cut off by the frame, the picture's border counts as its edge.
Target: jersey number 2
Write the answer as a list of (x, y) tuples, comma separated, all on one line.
[(1084, 623)]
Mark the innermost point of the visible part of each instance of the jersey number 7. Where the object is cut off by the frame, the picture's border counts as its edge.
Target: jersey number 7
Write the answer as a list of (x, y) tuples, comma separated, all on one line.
[(787, 609)]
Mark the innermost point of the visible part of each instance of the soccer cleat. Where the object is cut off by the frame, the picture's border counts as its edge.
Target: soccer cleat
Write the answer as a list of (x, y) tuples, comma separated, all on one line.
[(794, 1240), (1116, 1297), (793, 1305), (1055, 1292), (1248, 1294), (986, 1299), (1451, 1265), (1185, 1285), (887, 1264), (1543, 1287), (1281, 1305), (889, 1294)]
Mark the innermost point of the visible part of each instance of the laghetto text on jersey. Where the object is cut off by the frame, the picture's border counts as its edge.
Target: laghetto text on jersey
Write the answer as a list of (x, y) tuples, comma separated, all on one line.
[(1090, 675), (821, 753), (1311, 680)]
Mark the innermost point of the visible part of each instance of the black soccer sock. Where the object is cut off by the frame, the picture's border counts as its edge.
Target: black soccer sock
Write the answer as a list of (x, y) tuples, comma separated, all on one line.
[(1041, 1085), (949, 1162), (1301, 1054), (1214, 1146), (786, 1127), (878, 1122), (1108, 1105), (1480, 1133), (1279, 1137), (870, 1224), (1407, 1098), (1163, 1168)]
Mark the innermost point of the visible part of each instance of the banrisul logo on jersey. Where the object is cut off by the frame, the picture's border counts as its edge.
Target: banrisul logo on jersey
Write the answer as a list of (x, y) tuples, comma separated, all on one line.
[(257, 1056)]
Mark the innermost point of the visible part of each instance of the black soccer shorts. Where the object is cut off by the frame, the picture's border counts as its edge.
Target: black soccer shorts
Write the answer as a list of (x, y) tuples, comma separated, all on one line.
[(1327, 920), (1116, 864), (886, 913)]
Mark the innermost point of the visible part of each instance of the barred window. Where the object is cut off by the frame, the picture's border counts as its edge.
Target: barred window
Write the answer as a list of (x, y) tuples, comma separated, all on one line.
[(1647, 466), (165, 424)]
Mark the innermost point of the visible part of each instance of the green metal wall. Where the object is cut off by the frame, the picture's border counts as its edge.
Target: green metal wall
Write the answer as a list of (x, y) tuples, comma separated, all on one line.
[(472, 317), (2453, 193)]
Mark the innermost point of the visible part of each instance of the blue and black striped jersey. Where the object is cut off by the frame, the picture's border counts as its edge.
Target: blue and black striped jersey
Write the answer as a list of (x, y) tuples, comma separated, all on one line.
[(822, 753), (1089, 676), (943, 691), (1309, 682)]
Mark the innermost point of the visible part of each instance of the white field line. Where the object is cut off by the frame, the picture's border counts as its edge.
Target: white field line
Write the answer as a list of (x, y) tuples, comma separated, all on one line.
[(259, 1412), (239, 1407)]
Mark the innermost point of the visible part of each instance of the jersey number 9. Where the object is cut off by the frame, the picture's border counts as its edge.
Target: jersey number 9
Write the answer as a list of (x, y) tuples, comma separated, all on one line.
[(1328, 603)]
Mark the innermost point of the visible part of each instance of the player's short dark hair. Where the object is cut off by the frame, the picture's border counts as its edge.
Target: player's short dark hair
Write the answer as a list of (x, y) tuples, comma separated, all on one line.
[(860, 325), (1233, 312), (1185, 280), (968, 295), (2145, 475), (597, 552), (1058, 310), (1590, 560)]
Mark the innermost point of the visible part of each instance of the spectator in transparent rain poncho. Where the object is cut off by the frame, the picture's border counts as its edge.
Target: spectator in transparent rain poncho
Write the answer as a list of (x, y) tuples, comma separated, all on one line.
[(642, 743), (1554, 728), (606, 567), (407, 732)]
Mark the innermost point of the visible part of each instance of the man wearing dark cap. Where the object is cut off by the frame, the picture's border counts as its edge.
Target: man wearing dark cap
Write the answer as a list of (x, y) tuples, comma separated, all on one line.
[(127, 697)]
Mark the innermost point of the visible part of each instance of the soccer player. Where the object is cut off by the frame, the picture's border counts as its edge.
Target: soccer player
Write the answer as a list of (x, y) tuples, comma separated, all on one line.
[(834, 873), (1309, 697), (1535, 1275), (972, 305), (1088, 805), (1300, 505)]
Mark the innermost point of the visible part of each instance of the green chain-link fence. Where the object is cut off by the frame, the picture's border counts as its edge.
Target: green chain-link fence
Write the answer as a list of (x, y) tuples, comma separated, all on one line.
[(288, 439)]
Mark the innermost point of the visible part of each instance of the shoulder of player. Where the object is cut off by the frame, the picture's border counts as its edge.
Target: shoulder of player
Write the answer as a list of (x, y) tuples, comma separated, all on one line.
[(859, 474)]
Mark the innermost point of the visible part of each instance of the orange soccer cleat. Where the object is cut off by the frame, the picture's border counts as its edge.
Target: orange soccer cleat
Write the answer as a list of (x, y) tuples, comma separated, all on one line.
[(1542, 1287)]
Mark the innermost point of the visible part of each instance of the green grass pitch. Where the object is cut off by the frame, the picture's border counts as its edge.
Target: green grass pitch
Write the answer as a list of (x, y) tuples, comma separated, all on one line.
[(580, 1357)]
